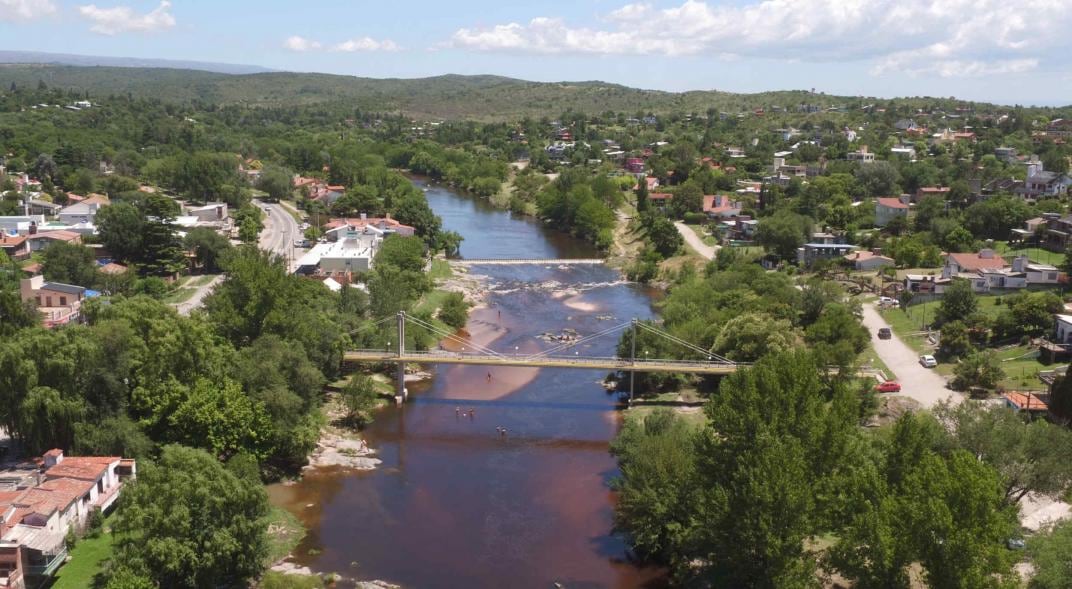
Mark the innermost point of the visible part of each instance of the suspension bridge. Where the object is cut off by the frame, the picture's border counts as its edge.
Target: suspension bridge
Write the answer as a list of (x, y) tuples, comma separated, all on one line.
[(528, 261), (557, 356)]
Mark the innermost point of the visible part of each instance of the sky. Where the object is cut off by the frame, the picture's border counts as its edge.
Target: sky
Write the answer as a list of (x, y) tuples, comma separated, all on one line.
[(1005, 51)]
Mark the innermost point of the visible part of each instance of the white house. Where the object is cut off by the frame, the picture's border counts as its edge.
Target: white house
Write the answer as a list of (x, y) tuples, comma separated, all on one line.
[(888, 209), (79, 213), (1062, 329)]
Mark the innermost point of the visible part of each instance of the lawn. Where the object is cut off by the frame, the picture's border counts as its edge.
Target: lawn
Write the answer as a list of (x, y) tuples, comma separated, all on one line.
[(179, 295), (1035, 254), (440, 270), (85, 560), (701, 232), (196, 281)]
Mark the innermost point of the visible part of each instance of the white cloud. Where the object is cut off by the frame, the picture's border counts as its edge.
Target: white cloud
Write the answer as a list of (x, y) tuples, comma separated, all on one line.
[(297, 43), (123, 19), (939, 37), (25, 9), (366, 44)]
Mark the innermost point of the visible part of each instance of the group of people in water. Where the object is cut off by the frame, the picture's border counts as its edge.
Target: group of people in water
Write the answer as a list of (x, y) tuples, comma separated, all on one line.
[(471, 413)]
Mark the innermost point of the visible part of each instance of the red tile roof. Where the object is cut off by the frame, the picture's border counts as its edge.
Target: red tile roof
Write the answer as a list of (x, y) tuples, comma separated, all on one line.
[(82, 467), (973, 262), (892, 203), (1026, 401), (660, 196), (12, 240), (60, 235)]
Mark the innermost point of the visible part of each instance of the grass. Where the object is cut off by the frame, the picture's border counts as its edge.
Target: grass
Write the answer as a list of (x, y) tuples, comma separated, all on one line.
[(911, 320), (277, 580), (285, 531), (701, 232), (869, 358), (179, 295), (440, 270), (693, 415), (1035, 254), (86, 560)]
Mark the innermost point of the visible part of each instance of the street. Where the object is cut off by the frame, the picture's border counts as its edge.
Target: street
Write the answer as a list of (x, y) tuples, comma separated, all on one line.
[(280, 232), (919, 383)]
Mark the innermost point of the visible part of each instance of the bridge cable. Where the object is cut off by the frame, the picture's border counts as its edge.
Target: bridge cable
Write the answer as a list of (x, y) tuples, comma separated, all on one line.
[(709, 354), (582, 340), (446, 335)]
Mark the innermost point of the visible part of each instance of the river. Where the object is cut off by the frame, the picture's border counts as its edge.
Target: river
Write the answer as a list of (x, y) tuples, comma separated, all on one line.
[(454, 503)]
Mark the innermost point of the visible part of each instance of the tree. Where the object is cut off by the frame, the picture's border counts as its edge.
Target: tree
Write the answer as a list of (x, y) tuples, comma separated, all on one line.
[(47, 419), (980, 369), (161, 250), (1030, 457), (276, 182), (751, 336), (121, 226), (642, 202), (837, 336), (359, 397), (664, 237), (782, 233), (209, 247), (878, 179), (404, 253), (219, 417), (454, 311), (45, 167), (958, 303), (1051, 555), (955, 342), (188, 522), (70, 263)]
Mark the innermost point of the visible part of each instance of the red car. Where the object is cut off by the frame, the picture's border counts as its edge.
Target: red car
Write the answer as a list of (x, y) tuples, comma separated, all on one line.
[(888, 387)]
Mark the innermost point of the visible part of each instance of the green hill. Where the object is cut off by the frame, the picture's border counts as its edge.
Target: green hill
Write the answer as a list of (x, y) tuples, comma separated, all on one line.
[(450, 96)]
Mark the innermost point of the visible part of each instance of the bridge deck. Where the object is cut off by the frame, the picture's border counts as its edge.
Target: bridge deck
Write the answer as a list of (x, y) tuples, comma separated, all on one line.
[(439, 357), (534, 261)]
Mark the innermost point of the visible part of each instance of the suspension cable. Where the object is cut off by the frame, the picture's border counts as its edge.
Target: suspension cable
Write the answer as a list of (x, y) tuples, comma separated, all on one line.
[(709, 354), (582, 340), (446, 335)]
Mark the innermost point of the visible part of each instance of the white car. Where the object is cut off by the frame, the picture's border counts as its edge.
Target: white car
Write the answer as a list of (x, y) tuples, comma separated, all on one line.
[(884, 301), (928, 361)]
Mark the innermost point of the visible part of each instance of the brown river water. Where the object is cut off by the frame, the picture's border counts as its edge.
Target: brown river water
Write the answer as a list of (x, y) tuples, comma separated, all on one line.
[(455, 504)]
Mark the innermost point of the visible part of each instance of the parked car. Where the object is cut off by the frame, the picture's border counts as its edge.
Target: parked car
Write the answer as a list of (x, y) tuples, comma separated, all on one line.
[(885, 333), (928, 361), (887, 301), (1015, 543), (888, 387)]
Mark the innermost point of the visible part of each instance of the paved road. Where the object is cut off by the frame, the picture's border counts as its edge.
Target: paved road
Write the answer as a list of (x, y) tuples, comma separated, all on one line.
[(280, 232), (195, 301), (919, 383), (695, 241)]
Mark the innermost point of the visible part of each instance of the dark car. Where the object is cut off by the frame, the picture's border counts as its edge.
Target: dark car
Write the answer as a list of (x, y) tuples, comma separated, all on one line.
[(885, 333)]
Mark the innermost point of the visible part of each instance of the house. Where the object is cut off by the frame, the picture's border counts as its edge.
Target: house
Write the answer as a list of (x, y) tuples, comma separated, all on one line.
[(20, 224), (905, 125), (811, 253), (1060, 128), (635, 165), (352, 252), (58, 303), (42, 207), (17, 247), (720, 206), (865, 261), (1026, 401), (386, 225), (213, 212), (986, 259), (1043, 184), (888, 209), (83, 212), (941, 192), (659, 200), (40, 502), (926, 285), (1062, 329), (861, 155), (1038, 273), (651, 182), (1005, 154), (113, 269), (735, 152), (41, 240)]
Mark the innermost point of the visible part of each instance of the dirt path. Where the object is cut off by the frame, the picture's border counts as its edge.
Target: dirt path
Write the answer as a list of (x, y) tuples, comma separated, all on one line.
[(695, 241), (919, 383), (187, 306)]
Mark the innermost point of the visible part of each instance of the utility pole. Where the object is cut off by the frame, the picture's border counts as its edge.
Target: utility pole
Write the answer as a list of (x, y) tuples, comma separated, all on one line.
[(632, 359), (400, 395)]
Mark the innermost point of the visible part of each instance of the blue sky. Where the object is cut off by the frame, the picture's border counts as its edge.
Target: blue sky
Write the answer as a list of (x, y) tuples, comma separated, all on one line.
[(997, 50)]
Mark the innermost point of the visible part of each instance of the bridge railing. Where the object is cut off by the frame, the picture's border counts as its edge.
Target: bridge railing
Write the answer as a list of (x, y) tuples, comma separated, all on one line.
[(388, 356)]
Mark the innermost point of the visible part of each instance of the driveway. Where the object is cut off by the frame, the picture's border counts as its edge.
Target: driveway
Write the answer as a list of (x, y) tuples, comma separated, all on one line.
[(695, 241), (185, 307), (919, 383)]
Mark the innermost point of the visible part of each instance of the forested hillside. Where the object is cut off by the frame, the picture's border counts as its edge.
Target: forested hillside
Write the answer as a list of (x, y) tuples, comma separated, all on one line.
[(450, 96)]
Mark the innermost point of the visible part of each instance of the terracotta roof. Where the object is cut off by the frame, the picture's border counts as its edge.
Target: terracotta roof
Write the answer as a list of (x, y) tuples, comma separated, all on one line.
[(59, 235), (892, 203), (388, 221), (934, 189), (717, 203), (113, 268), (660, 196), (12, 240), (97, 199), (972, 262), (82, 467), (1026, 401)]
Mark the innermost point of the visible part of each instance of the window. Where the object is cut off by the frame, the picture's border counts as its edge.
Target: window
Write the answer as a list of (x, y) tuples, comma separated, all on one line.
[(1051, 276), (63, 301)]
